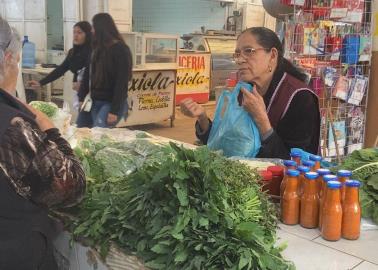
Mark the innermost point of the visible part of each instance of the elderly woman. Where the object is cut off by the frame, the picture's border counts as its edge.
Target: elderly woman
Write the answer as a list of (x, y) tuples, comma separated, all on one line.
[(38, 171), (285, 110)]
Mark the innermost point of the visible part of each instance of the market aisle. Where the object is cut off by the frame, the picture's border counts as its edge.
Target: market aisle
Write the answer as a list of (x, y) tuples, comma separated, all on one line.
[(183, 129), (309, 251)]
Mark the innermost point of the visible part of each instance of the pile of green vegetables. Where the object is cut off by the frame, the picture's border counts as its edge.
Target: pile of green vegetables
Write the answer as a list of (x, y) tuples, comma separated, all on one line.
[(176, 208), (364, 165), (48, 108)]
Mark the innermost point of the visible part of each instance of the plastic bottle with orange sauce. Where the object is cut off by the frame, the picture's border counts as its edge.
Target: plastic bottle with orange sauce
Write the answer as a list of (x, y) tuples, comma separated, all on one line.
[(343, 175), (289, 165), (317, 160), (310, 164), (350, 228), (332, 212), (309, 216), (326, 179), (290, 199), (321, 172), (296, 156), (302, 170)]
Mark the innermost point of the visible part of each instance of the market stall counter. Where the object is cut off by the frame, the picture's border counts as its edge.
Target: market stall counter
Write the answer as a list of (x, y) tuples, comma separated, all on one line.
[(142, 198)]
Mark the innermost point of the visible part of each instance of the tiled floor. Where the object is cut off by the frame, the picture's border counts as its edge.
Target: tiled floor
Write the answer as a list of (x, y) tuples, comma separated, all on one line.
[(309, 251)]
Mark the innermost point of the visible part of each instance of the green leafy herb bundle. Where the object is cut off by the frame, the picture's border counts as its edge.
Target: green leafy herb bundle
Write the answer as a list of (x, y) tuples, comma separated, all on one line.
[(48, 108), (364, 165), (180, 209)]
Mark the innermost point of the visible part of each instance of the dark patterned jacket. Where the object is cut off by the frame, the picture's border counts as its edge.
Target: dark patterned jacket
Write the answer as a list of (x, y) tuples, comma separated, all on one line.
[(38, 170)]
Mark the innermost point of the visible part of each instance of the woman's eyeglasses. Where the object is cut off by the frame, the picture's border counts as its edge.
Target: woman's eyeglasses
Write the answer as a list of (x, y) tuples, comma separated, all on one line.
[(246, 53)]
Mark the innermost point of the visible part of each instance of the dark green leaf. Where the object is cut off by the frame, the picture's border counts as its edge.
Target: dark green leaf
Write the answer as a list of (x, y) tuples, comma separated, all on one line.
[(181, 256)]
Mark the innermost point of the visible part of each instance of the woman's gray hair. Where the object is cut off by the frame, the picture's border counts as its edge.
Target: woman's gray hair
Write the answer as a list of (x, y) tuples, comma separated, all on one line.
[(10, 41), (9, 38)]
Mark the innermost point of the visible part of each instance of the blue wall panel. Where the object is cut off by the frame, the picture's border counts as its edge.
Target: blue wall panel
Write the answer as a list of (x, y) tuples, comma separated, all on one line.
[(176, 16)]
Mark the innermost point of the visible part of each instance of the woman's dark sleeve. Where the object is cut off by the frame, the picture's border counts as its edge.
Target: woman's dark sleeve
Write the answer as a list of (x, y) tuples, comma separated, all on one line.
[(203, 136), (84, 85), (122, 67), (58, 72), (297, 129), (43, 165)]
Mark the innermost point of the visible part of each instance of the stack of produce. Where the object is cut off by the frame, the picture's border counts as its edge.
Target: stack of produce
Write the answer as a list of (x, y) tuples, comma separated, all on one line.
[(176, 208), (48, 108), (364, 165), (60, 117)]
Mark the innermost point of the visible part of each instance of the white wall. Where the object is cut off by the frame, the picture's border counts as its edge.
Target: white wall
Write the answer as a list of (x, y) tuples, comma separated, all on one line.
[(29, 18), (91, 8), (121, 11)]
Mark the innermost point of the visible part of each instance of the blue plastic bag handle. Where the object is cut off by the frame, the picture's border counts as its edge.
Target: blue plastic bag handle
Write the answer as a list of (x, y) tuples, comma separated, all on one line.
[(232, 97)]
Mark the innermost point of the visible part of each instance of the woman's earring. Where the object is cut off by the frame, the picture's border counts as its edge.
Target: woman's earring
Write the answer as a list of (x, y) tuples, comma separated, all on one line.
[(270, 69)]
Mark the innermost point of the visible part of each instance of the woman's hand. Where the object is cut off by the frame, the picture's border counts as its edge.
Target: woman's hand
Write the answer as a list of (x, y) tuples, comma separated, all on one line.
[(254, 104), (194, 110), (44, 123), (191, 108), (112, 119), (34, 84)]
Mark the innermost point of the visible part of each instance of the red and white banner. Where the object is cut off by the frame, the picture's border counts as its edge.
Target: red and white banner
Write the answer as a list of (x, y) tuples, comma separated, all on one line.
[(193, 77)]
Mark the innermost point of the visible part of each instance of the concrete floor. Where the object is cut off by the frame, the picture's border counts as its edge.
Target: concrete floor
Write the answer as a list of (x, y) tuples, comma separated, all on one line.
[(183, 129)]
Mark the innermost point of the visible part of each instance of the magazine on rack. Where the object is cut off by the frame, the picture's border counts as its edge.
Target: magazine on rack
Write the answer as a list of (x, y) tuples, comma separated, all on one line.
[(357, 90), (356, 119), (340, 132), (330, 76), (341, 89), (365, 48)]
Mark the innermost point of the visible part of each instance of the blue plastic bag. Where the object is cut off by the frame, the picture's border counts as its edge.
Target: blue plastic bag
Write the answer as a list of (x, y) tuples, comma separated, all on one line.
[(234, 131)]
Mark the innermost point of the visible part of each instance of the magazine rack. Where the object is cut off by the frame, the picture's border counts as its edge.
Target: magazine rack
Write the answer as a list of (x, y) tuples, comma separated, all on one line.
[(331, 41)]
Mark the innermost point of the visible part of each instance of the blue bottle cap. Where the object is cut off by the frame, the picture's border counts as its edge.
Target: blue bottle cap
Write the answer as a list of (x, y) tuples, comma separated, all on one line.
[(303, 169), (323, 172), (308, 163), (352, 183), (289, 163), (329, 177), (315, 158), (295, 153), (334, 184), (292, 172), (344, 173), (311, 175)]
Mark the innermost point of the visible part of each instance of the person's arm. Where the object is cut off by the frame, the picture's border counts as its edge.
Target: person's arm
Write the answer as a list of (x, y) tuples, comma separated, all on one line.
[(84, 85), (201, 134), (46, 163), (295, 130), (57, 72), (122, 67)]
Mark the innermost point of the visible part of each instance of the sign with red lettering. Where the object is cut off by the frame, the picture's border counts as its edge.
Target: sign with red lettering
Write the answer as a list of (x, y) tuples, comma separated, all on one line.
[(193, 76)]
